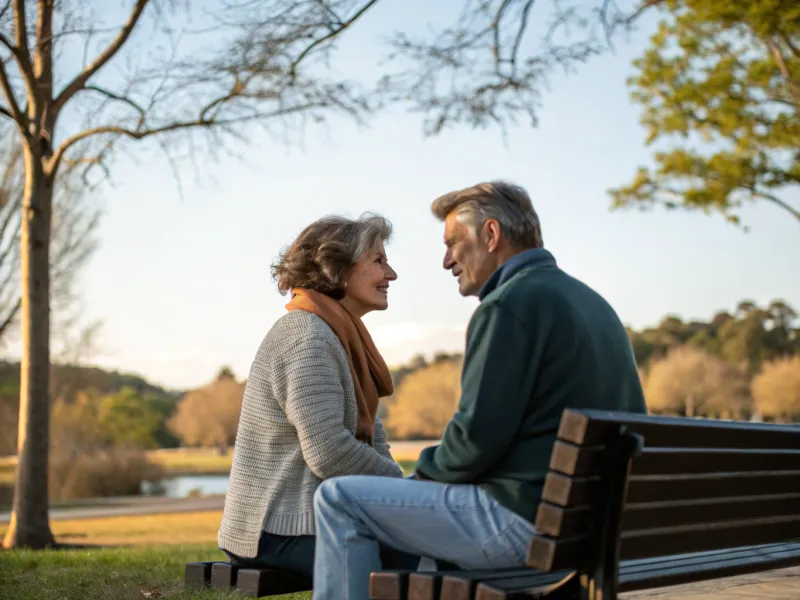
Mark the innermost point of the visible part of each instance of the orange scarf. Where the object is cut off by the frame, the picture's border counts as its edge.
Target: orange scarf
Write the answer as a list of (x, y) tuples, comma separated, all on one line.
[(371, 376)]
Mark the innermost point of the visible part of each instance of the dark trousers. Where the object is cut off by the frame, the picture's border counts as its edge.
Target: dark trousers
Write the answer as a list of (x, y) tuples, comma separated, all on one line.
[(296, 553)]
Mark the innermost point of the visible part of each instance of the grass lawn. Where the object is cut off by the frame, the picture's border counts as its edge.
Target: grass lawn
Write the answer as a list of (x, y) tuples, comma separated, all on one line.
[(144, 560)]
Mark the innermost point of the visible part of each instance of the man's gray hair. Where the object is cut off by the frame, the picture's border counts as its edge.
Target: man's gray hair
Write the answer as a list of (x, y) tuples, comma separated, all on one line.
[(505, 202)]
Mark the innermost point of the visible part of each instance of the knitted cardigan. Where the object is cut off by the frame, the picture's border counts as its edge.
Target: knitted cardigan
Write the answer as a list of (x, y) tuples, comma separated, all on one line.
[(297, 428)]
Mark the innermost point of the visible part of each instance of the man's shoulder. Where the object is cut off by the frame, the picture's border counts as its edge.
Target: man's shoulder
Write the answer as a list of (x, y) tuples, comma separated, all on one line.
[(542, 284)]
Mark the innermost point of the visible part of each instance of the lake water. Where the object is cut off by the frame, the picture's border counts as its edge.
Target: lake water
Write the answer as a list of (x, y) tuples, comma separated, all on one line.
[(186, 485)]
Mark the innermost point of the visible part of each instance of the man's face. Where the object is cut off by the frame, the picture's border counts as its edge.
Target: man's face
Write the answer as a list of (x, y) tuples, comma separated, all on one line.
[(466, 256)]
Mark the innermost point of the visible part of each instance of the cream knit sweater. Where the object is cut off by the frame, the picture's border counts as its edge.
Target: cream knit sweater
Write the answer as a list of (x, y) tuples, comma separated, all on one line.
[(296, 428)]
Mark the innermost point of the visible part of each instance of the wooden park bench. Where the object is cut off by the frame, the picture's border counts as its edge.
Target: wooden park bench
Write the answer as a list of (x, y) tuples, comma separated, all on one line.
[(634, 502)]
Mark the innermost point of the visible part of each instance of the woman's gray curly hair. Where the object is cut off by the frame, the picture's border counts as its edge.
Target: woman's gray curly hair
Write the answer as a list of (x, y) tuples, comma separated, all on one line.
[(323, 254)]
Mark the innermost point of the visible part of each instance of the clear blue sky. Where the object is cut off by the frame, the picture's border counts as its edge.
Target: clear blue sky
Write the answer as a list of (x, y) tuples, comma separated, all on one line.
[(183, 286)]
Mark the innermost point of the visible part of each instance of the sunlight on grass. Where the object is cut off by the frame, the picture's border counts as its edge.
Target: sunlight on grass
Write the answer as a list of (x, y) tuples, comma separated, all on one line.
[(178, 528), (108, 574), (151, 567)]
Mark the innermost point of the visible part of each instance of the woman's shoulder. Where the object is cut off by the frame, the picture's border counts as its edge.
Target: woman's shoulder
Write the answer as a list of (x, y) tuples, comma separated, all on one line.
[(300, 326)]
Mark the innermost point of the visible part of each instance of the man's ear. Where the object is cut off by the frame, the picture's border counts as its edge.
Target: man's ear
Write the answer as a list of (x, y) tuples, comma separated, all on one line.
[(491, 229)]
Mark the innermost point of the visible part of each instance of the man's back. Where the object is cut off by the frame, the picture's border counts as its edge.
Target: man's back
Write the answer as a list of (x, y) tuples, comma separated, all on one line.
[(539, 343), (585, 361)]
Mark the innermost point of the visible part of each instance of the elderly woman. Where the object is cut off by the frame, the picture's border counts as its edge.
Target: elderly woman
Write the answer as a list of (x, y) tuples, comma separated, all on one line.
[(309, 408)]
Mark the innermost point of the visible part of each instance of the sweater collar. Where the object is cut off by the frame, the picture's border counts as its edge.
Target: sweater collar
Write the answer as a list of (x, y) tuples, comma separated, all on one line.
[(534, 258)]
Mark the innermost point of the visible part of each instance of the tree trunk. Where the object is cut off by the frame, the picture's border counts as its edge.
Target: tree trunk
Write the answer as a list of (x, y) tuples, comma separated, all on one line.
[(30, 526)]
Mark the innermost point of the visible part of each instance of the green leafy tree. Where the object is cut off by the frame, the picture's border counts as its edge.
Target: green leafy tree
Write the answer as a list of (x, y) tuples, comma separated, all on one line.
[(722, 80), (126, 418)]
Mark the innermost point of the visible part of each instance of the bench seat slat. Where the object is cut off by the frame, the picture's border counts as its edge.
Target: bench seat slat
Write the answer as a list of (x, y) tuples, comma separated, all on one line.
[(665, 571), (257, 583), (463, 585), (637, 575), (532, 585), (389, 585)]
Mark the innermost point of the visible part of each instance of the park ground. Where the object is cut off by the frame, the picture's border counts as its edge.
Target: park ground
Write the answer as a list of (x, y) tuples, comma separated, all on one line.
[(131, 557), (141, 557)]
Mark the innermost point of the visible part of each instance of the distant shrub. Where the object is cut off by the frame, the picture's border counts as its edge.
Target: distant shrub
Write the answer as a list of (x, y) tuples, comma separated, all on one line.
[(114, 471)]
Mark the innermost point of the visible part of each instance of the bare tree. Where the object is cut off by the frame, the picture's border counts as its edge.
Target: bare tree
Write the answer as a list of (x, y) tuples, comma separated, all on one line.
[(73, 241), (691, 382), (425, 401), (776, 389), (209, 416), (265, 66)]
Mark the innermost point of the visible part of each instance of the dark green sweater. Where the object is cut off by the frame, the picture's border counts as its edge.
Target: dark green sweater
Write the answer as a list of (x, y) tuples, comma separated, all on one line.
[(540, 341)]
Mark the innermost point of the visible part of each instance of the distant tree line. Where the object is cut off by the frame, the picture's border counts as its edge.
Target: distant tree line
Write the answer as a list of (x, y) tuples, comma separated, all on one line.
[(743, 364)]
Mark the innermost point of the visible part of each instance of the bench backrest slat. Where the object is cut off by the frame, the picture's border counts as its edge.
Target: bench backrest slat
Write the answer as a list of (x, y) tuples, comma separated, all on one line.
[(695, 485), (590, 428)]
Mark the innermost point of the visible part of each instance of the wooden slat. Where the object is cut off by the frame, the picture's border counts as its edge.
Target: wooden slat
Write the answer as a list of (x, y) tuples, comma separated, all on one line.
[(667, 461), (224, 575), (664, 571), (550, 554), (665, 541), (388, 585), (715, 485), (461, 585), (687, 512), (570, 459), (256, 583), (562, 490), (424, 585), (638, 575), (197, 574), (556, 521), (591, 428), (527, 586)]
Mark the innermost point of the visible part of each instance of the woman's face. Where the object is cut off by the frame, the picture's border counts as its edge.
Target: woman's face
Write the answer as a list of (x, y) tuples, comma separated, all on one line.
[(368, 283)]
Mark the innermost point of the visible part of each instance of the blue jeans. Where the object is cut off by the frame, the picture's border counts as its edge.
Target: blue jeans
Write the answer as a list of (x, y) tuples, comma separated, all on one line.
[(459, 524)]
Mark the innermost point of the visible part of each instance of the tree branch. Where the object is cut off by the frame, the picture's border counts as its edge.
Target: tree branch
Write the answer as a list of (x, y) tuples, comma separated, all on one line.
[(117, 97), (80, 81), (21, 51), (139, 134), (523, 26), (791, 210), (10, 317), (778, 56), (4, 111), (13, 107), (331, 35), (795, 50), (645, 5)]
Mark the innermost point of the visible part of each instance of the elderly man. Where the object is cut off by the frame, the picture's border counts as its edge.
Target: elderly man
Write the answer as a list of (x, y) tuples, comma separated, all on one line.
[(539, 342)]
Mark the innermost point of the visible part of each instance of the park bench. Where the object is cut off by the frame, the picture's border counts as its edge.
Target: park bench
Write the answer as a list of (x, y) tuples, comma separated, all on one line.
[(635, 502)]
